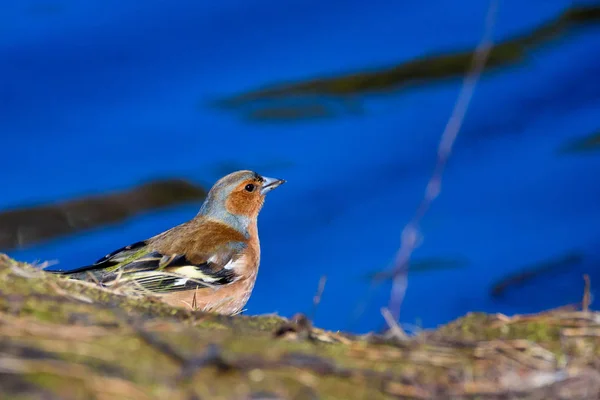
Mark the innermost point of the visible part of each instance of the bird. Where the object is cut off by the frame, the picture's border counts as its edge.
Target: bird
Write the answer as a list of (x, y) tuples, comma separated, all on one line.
[(209, 263)]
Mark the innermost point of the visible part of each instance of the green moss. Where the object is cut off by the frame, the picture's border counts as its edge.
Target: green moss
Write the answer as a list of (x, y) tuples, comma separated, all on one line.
[(211, 325), (66, 387)]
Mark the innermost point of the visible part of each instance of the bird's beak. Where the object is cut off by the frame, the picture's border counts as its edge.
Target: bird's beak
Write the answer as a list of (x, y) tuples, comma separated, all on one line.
[(270, 184)]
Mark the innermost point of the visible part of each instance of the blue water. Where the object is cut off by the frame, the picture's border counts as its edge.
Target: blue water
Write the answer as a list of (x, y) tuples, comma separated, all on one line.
[(101, 95)]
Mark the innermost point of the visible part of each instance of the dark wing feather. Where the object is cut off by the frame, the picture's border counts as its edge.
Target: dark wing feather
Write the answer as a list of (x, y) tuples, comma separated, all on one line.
[(120, 253), (109, 260), (140, 266), (173, 273), (159, 283)]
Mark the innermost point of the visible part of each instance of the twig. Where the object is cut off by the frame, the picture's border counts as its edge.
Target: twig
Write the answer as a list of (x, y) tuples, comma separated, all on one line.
[(195, 300), (395, 328), (94, 286), (194, 304), (76, 296), (586, 294), (41, 265), (24, 273), (317, 297), (410, 233)]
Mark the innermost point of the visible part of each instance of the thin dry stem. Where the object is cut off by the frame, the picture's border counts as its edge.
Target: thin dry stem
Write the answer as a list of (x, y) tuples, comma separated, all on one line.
[(586, 294), (410, 234), (395, 329), (317, 296)]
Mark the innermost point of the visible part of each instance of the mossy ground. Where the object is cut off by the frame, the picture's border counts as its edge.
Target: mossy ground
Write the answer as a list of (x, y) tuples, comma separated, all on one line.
[(60, 339)]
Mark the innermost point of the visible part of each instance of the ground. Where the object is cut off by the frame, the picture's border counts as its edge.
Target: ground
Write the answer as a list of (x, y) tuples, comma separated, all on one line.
[(61, 339)]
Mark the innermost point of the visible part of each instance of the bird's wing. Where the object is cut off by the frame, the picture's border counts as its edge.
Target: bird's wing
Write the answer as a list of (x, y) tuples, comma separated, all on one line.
[(140, 265)]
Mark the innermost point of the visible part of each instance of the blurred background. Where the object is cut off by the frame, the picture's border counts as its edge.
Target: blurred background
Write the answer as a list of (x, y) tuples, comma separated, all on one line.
[(116, 116)]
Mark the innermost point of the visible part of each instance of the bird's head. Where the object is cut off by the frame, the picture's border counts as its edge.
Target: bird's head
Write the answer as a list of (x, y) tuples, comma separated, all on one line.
[(240, 194)]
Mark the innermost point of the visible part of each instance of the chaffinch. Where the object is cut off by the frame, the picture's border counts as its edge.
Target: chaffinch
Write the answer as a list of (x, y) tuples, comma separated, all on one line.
[(210, 262)]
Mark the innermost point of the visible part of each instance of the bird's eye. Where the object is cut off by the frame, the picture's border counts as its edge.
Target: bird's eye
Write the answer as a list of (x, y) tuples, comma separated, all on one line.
[(249, 187)]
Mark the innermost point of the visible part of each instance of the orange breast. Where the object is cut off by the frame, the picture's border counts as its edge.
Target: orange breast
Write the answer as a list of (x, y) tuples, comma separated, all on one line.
[(229, 299)]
